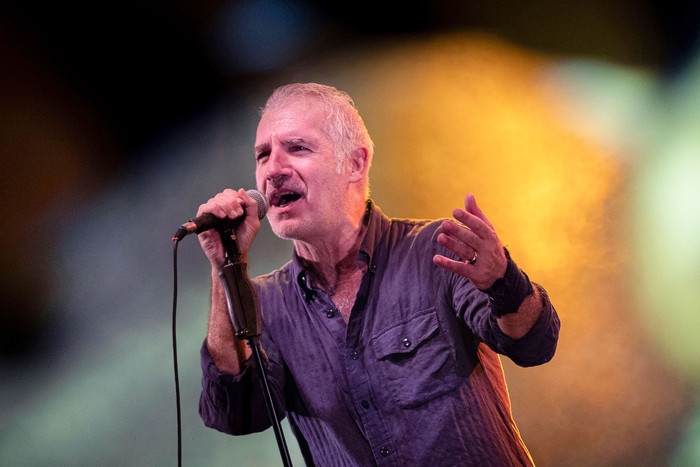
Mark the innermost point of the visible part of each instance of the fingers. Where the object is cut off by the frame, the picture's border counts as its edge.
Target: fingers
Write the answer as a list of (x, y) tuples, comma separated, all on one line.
[(482, 273), (458, 267), (459, 239), (469, 234), (473, 223), (472, 232), (474, 242), (471, 207), (227, 204)]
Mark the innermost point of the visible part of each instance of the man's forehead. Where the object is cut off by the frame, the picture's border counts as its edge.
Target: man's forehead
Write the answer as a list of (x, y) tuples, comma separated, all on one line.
[(289, 122), (293, 107)]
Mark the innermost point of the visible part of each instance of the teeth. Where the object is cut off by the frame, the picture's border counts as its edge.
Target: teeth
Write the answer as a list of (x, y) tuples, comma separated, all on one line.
[(283, 198)]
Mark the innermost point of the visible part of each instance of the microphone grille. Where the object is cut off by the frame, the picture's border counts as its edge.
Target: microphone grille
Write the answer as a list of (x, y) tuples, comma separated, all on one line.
[(261, 200)]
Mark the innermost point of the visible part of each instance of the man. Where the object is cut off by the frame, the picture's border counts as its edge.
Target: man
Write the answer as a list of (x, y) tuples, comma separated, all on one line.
[(382, 334)]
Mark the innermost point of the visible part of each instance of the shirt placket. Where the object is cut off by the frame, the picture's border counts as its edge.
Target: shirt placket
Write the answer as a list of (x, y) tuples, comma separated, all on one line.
[(357, 366)]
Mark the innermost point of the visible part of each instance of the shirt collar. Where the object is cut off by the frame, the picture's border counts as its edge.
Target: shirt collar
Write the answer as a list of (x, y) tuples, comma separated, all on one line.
[(376, 223)]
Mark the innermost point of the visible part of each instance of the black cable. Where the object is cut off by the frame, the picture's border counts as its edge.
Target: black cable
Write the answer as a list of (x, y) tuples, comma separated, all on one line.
[(284, 452), (177, 378)]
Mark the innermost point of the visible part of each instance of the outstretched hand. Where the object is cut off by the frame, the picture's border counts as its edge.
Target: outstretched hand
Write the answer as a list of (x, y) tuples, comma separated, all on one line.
[(472, 238)]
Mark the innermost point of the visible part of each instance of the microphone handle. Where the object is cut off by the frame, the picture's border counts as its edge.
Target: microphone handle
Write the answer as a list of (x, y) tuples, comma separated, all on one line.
[(209, 221), (203, 223)]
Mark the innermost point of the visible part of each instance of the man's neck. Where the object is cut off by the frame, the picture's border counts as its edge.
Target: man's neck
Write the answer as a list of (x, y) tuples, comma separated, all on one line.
[(332, 258)]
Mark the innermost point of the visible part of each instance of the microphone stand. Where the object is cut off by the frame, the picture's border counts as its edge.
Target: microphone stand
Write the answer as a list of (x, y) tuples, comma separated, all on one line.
[(243, 311)]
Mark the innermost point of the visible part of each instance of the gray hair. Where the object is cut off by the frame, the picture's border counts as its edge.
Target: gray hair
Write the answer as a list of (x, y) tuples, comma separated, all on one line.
[(344, 126)]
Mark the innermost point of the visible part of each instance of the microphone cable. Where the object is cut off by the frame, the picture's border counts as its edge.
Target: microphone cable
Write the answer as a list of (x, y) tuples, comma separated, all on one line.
[(192, 226), (177, 377)]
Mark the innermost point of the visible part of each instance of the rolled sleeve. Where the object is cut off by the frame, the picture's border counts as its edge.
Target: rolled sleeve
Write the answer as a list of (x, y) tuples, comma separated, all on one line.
[(534, 348), (233, 404), (538, 345)]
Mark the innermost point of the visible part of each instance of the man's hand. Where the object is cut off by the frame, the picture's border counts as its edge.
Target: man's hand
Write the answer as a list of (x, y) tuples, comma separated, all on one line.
[(473, 239), (229, 204)]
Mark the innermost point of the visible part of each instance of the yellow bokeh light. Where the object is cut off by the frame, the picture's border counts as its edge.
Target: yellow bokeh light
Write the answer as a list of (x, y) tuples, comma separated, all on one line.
[(460, 113)]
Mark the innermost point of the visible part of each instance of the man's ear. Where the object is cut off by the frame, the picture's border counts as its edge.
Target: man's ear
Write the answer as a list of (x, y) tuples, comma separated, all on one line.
[(359, 164)]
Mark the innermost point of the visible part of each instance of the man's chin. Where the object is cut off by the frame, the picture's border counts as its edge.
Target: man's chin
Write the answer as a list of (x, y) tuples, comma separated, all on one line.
[(287, 229)]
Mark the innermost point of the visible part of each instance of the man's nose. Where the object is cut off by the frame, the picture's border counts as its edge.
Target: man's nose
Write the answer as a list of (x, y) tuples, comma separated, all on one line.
[(277, 165)]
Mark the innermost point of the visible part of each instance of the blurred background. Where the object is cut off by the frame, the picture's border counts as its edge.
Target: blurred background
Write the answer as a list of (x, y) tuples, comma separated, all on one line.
[(573, 123)]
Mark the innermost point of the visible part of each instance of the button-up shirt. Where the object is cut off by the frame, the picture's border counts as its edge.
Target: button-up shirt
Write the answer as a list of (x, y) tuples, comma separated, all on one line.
[(413, 378)]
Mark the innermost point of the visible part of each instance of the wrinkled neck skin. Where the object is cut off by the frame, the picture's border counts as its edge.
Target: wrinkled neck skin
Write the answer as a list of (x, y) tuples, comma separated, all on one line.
[(331, 259)]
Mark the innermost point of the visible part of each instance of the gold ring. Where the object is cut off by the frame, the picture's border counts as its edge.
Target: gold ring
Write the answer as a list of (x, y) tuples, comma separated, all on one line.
[(473, 260)]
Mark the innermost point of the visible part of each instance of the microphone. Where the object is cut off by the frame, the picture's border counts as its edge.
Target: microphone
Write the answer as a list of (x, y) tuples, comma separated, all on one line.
[(210, 221)]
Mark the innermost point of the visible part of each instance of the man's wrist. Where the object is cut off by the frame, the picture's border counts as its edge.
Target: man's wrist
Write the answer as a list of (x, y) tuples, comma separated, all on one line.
[(507, 293)]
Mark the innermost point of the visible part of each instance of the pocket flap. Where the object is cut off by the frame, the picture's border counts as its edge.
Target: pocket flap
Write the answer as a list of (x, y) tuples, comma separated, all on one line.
[(406, 336)]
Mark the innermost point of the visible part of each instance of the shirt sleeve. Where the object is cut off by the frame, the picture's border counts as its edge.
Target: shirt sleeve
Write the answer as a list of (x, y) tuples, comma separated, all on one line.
[(235, 404), (538, 345), (474, 308)]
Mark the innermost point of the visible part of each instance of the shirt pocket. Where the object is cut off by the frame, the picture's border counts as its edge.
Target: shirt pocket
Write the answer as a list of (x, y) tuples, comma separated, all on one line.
[(417, 359)]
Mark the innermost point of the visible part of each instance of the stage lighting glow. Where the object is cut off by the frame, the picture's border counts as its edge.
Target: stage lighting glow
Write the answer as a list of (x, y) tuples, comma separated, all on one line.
[(591, 218), (668, 253), (261, 35)]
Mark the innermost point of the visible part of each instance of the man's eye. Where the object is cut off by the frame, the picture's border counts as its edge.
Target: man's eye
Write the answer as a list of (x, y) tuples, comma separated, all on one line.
[(262, 155), (299, 148)]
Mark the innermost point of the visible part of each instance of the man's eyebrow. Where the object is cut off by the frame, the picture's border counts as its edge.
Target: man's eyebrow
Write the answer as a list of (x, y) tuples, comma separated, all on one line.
[(287, 142), (296, 141)]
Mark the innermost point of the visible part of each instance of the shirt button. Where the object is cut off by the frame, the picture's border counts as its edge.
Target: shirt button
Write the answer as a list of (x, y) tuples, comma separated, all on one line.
[(355, 355), (364, 404), (406, 342), (330, 313), (384, 451)]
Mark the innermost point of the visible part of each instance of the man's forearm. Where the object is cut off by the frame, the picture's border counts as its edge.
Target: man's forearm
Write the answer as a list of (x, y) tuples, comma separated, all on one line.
[(227, 351), (517, 325)]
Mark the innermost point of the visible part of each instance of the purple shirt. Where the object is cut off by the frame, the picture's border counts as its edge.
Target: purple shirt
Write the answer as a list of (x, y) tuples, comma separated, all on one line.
[(414, 378)]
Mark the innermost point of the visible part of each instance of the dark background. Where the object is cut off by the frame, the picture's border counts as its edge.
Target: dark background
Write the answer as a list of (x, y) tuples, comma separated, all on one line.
[(142, 65), (123, 74)]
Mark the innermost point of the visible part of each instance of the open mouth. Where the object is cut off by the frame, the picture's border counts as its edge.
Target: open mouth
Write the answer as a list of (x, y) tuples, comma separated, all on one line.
[(283, 198)]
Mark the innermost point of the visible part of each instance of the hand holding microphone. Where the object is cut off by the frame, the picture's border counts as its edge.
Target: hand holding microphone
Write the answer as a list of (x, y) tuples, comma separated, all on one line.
[(209, 221), (240, 210)]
